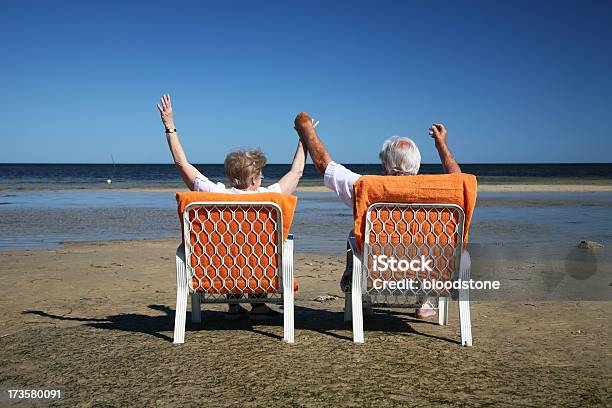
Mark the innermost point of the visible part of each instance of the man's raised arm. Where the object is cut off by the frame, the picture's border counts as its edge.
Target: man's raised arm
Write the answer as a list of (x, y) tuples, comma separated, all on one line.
[(308, 135), (438, 132), (187, 171)]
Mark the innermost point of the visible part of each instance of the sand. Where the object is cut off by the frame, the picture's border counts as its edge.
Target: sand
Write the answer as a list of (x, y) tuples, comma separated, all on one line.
[(93, 320), (513, 188)]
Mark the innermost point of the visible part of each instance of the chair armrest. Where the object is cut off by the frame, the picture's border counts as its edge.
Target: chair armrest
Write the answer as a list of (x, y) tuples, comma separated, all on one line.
[(180, 252), (352, 243)]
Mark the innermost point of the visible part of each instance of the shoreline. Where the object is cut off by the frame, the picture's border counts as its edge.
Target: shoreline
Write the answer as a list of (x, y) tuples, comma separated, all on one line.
[(482, 188)]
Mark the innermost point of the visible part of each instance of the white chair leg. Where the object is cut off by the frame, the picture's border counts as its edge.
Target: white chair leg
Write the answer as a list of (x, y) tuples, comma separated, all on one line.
[(196, 311), (357, 305), (464, 301), (348, 307), (181, 297), (442, 311), (288, 326)]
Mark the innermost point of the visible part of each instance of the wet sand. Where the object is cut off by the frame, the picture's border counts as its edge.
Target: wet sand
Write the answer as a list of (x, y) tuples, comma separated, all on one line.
[(514, 188), (92, 319)]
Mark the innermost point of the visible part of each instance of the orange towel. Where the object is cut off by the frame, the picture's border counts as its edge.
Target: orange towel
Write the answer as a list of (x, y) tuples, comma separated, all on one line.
[(286, 202), (457, 188), (236, 254)]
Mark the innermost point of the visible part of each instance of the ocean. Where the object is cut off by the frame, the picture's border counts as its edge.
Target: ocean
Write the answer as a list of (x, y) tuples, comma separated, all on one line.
[(87, 176), (43, 205)]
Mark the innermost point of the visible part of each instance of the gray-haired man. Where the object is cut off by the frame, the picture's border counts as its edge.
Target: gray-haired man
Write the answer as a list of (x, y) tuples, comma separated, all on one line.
[(400, 156)]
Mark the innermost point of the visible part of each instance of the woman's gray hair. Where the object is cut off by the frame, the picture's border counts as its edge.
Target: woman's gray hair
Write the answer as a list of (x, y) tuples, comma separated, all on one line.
[(400, 156), (242, 164)]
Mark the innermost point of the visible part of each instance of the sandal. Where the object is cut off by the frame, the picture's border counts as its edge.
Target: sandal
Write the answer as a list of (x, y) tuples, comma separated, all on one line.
[(426, 311)]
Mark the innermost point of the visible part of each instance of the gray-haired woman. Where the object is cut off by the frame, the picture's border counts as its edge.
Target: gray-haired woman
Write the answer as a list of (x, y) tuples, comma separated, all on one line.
[(244, 171)]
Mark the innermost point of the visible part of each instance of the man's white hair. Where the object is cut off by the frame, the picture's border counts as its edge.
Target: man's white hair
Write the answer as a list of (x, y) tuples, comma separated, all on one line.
[(400, 156)]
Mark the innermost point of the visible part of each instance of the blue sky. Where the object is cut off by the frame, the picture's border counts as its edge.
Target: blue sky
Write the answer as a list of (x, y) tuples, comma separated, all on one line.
[(513, 82)]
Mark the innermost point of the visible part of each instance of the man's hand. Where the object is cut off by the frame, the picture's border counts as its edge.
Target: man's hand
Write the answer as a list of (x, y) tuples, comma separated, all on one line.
[(302, 121), (438, 132), (308, 135), (165, 110)]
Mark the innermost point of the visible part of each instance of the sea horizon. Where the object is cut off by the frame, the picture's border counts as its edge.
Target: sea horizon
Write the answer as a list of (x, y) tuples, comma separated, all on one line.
[(157, 177)]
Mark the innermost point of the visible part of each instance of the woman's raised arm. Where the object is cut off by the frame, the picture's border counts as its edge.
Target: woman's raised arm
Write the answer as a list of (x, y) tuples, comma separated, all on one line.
[(187, 171), (290, 180)]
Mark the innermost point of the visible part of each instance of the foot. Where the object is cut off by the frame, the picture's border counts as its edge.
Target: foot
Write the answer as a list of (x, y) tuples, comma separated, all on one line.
[(235, 312), (426, 309), (263, 312), (425, 312)]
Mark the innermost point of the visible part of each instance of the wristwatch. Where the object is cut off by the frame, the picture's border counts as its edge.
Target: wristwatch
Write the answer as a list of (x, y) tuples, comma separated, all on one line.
[(173, 130)]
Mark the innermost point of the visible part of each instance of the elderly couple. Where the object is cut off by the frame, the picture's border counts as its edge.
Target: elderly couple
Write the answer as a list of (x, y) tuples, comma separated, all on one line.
[(399, 155)]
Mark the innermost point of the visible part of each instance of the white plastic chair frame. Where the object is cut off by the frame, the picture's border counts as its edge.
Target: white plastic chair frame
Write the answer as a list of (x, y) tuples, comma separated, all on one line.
[(185, 271), (360, 294)]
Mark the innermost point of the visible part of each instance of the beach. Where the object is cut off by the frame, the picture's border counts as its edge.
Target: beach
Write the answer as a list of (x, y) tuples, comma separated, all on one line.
[(519, 188), (456, 155), (96, 319), (89, 291)]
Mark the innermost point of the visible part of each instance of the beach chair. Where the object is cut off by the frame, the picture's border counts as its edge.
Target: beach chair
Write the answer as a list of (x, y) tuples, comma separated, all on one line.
[(407, 230), (236, 245)]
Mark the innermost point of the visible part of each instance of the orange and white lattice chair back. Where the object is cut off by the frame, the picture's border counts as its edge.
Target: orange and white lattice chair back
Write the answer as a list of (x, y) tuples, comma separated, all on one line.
[(410, 237), (233, 242), (413, 244), (236, 249)]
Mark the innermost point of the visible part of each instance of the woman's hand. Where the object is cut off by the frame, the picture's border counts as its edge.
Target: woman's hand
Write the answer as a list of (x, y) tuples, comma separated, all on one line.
[(165, 110)]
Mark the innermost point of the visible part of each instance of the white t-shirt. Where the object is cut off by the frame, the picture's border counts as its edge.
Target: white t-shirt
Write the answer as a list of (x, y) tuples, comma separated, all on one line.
[(202, 183), (341, 180)]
